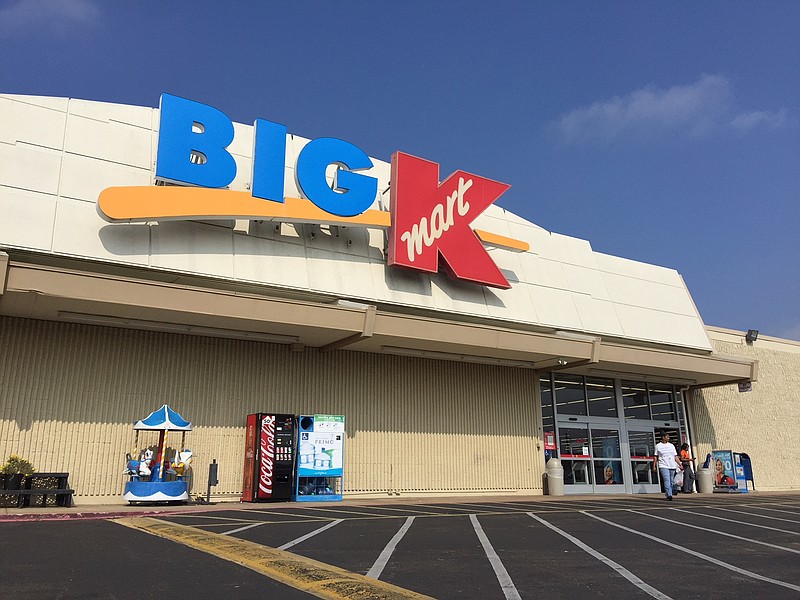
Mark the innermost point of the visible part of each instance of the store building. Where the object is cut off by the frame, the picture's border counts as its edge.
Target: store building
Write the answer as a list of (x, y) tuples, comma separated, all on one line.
[(122, 288)]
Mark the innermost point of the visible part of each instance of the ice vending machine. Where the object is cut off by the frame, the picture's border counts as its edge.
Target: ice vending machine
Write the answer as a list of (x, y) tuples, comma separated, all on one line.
[(269, 457), (320, 458)]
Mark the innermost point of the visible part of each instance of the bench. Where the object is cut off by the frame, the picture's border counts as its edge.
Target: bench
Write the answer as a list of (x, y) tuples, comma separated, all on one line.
[(42, 489)]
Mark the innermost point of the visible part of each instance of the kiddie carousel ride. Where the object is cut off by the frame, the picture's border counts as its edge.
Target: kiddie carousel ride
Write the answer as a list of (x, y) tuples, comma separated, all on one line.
[(152, 477)]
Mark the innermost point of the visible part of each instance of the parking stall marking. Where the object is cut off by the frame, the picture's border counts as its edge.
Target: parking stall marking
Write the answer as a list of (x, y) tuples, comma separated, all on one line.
[(503, 578), (795, 509), (348, 511), (730, 535), (403, 510), (245, 528), (303, 538), (785, 512), (494, 507), (704, 515), (282, 513), (299, 572), (382, 560), (699, 555), (752, 514), (645, 587)]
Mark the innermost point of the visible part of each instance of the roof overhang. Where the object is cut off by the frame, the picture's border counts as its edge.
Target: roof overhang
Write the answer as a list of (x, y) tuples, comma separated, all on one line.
[(327, 323)]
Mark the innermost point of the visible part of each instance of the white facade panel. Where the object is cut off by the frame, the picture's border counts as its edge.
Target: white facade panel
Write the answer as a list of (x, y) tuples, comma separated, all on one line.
[(555, 308), (27, 219), (656, 326), (109, 140), (75, 233), (32, 124), (136, 116), (192, 248), (83, 178), (259, 259), (597, 314), (30, 168)]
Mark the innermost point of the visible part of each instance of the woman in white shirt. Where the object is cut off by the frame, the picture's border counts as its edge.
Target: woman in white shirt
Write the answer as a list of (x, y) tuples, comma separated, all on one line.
[(665, 460)]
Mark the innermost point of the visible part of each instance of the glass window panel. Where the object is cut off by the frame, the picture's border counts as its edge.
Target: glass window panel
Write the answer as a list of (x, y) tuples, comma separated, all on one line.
[(600, 393), (662, 406), (634, 400), (569, 394), (573, 441), (548, 422), (605, 443), (608, 472), (576, 471), (641, 444)]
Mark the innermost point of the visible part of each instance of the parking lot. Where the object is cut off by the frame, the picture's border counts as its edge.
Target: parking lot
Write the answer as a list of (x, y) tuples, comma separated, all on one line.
[(720, 546)]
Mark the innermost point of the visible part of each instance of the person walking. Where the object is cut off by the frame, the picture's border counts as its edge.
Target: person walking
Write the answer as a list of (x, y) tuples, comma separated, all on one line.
[(688, 469), (665, 461)]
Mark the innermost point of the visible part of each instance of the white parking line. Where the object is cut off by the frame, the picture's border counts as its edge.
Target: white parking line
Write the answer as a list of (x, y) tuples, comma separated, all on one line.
[(604, 559), (786, 512), (377, 568), (730, 535), (700, 555), (752, 514), (506, 584), (704, 515), (309, 535), (232, 531)]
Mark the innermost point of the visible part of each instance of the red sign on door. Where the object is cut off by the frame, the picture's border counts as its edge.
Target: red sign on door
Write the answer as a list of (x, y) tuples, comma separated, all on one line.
[(549, 440)]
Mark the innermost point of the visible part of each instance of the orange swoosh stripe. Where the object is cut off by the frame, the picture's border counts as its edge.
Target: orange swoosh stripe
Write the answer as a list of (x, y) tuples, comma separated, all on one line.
[(139, 204)]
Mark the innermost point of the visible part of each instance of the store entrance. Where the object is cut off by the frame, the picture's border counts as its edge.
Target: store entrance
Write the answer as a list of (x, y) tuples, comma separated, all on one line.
[(591, 457), (604, 431)]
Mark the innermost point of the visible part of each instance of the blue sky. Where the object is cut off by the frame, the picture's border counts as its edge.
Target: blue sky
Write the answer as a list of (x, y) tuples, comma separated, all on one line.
[(665, 132)]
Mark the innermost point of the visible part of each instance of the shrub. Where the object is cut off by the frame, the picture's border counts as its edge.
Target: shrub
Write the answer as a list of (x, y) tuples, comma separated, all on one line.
[(16, 465)]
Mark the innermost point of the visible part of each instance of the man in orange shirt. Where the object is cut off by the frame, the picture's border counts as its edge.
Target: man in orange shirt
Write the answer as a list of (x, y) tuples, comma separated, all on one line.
[(688, 470)]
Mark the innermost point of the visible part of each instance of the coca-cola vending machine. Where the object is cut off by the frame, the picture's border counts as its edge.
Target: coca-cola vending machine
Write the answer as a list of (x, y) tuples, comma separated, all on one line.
[(269, 458)]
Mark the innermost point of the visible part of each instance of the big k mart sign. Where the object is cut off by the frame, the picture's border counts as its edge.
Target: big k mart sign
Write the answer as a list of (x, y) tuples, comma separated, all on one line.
[(429, 223)]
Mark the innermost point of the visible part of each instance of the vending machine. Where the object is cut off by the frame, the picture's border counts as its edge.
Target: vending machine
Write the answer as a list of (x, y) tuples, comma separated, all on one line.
[(269, 458), (320, 458)]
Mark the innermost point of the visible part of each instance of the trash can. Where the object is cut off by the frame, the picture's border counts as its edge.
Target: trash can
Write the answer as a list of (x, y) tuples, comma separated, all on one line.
[(705, 480), (555, 477)]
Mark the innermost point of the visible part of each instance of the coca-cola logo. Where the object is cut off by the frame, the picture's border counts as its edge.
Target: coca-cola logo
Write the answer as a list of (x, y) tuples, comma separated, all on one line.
[(267, 455)]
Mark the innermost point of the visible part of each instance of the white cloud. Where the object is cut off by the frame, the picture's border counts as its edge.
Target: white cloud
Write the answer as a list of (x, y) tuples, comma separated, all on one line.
[(760, 118), (49, 16), (694, 110)]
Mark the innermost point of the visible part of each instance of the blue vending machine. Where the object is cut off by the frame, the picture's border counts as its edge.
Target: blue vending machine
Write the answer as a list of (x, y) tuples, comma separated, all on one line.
[(320, 458)]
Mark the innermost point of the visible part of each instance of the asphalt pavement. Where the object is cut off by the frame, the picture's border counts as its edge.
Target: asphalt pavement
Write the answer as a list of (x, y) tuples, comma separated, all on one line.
[(698, 546)]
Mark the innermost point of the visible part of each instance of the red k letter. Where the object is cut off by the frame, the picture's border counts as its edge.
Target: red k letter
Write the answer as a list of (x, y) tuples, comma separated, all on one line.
[(429, 219)]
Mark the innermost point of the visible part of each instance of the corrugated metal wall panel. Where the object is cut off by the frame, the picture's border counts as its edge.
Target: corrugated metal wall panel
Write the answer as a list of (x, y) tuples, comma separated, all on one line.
[(70, 394)]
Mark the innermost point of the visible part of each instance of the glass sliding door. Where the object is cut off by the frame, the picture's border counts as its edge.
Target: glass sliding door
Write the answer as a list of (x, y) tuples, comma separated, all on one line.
[(642, 447), (607, 461), (573, 444)]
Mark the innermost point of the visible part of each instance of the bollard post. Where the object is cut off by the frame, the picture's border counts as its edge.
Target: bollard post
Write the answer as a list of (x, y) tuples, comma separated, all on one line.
[(705, 480), (213, 471), (555, 477)]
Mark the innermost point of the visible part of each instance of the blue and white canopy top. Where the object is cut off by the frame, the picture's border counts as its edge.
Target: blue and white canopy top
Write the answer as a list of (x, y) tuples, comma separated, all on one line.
[(164, 419)]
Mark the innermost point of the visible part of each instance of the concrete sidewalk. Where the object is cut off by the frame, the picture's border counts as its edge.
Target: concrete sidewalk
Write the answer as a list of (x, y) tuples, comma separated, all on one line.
[(113, 511)]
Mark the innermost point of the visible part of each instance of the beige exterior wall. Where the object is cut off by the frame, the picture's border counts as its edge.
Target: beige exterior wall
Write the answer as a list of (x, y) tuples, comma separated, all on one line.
[(69, 395), (765, 422)]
